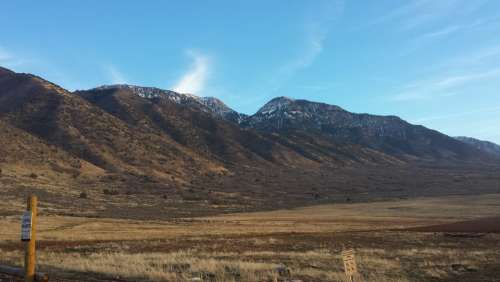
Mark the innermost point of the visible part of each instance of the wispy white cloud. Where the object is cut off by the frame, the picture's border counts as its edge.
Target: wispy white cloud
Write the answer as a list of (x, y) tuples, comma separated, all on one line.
[(114, 75), (479, 122), (314, 36), (417, 13), (395, 14), (431, 37), (480, 57), (313, 46), (194, 80), (451, 29), (456, 115), (9, 59), (440, 32), (453, 75), (315, 32), (428, 12), (442, 87)]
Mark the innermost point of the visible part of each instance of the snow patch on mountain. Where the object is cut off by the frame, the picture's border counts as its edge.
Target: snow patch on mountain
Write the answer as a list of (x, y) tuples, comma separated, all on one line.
[(207, 104), (221, 109), (275, 105)]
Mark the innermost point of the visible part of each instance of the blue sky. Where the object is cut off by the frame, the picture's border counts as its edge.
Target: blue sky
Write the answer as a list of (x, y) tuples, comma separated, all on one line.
[(431, 62)]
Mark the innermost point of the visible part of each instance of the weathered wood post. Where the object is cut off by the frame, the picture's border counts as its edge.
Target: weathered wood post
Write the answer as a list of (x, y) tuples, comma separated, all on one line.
[(28, 235)]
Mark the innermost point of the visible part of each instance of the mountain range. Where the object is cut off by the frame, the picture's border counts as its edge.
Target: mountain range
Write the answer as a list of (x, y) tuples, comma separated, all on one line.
[(136, 148)]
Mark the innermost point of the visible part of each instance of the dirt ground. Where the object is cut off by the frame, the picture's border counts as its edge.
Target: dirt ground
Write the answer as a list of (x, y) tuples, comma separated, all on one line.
[(480, 225), (427, 239)]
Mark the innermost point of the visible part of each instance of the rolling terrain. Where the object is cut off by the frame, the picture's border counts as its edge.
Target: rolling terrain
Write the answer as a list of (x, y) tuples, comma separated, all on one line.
[(143, 152)]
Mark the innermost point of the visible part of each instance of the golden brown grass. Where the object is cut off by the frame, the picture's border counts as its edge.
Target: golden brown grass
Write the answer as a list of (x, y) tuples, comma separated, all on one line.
[(250, 246), (223, 266), (320, 265), (316, 219)]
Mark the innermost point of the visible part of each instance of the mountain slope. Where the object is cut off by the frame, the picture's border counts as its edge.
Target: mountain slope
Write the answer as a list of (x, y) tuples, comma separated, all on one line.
[(142, 152), (25, 153), (71, 123), (386, 134), (190, 124), (486, 146)]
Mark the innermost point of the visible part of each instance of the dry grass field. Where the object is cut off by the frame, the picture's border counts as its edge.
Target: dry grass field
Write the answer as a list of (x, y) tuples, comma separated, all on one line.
[(301, 244)]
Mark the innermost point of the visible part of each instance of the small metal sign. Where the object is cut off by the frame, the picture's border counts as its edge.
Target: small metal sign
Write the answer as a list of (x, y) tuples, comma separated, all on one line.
[(349, 263), (26, 226)]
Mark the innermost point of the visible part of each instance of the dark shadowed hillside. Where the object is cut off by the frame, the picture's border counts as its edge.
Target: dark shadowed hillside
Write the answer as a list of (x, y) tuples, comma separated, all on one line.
[(485, 146)]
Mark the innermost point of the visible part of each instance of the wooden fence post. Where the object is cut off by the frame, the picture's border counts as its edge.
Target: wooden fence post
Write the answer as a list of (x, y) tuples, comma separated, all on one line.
[(30, 246)]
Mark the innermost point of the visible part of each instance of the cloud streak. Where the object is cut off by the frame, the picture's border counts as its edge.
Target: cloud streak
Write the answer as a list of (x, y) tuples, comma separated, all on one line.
[(417, 13), (445, 86), (193, 82), (428, 11), (314, 40), (458, 114), (316, 30), (441, 32), (481, 57), (8, 59), (453, 75), (445, 31), (115, 76)]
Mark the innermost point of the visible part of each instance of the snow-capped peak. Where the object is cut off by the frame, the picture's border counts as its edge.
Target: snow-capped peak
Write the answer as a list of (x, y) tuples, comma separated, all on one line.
[(275, 105), (142, 91), (207, 104)]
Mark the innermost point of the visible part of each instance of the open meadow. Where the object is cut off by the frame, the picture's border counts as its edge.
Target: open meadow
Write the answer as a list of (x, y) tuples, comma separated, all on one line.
[(404, 240)]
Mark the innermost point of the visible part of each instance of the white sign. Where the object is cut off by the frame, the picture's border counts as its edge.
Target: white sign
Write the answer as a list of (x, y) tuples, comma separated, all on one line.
[(26, 227)]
